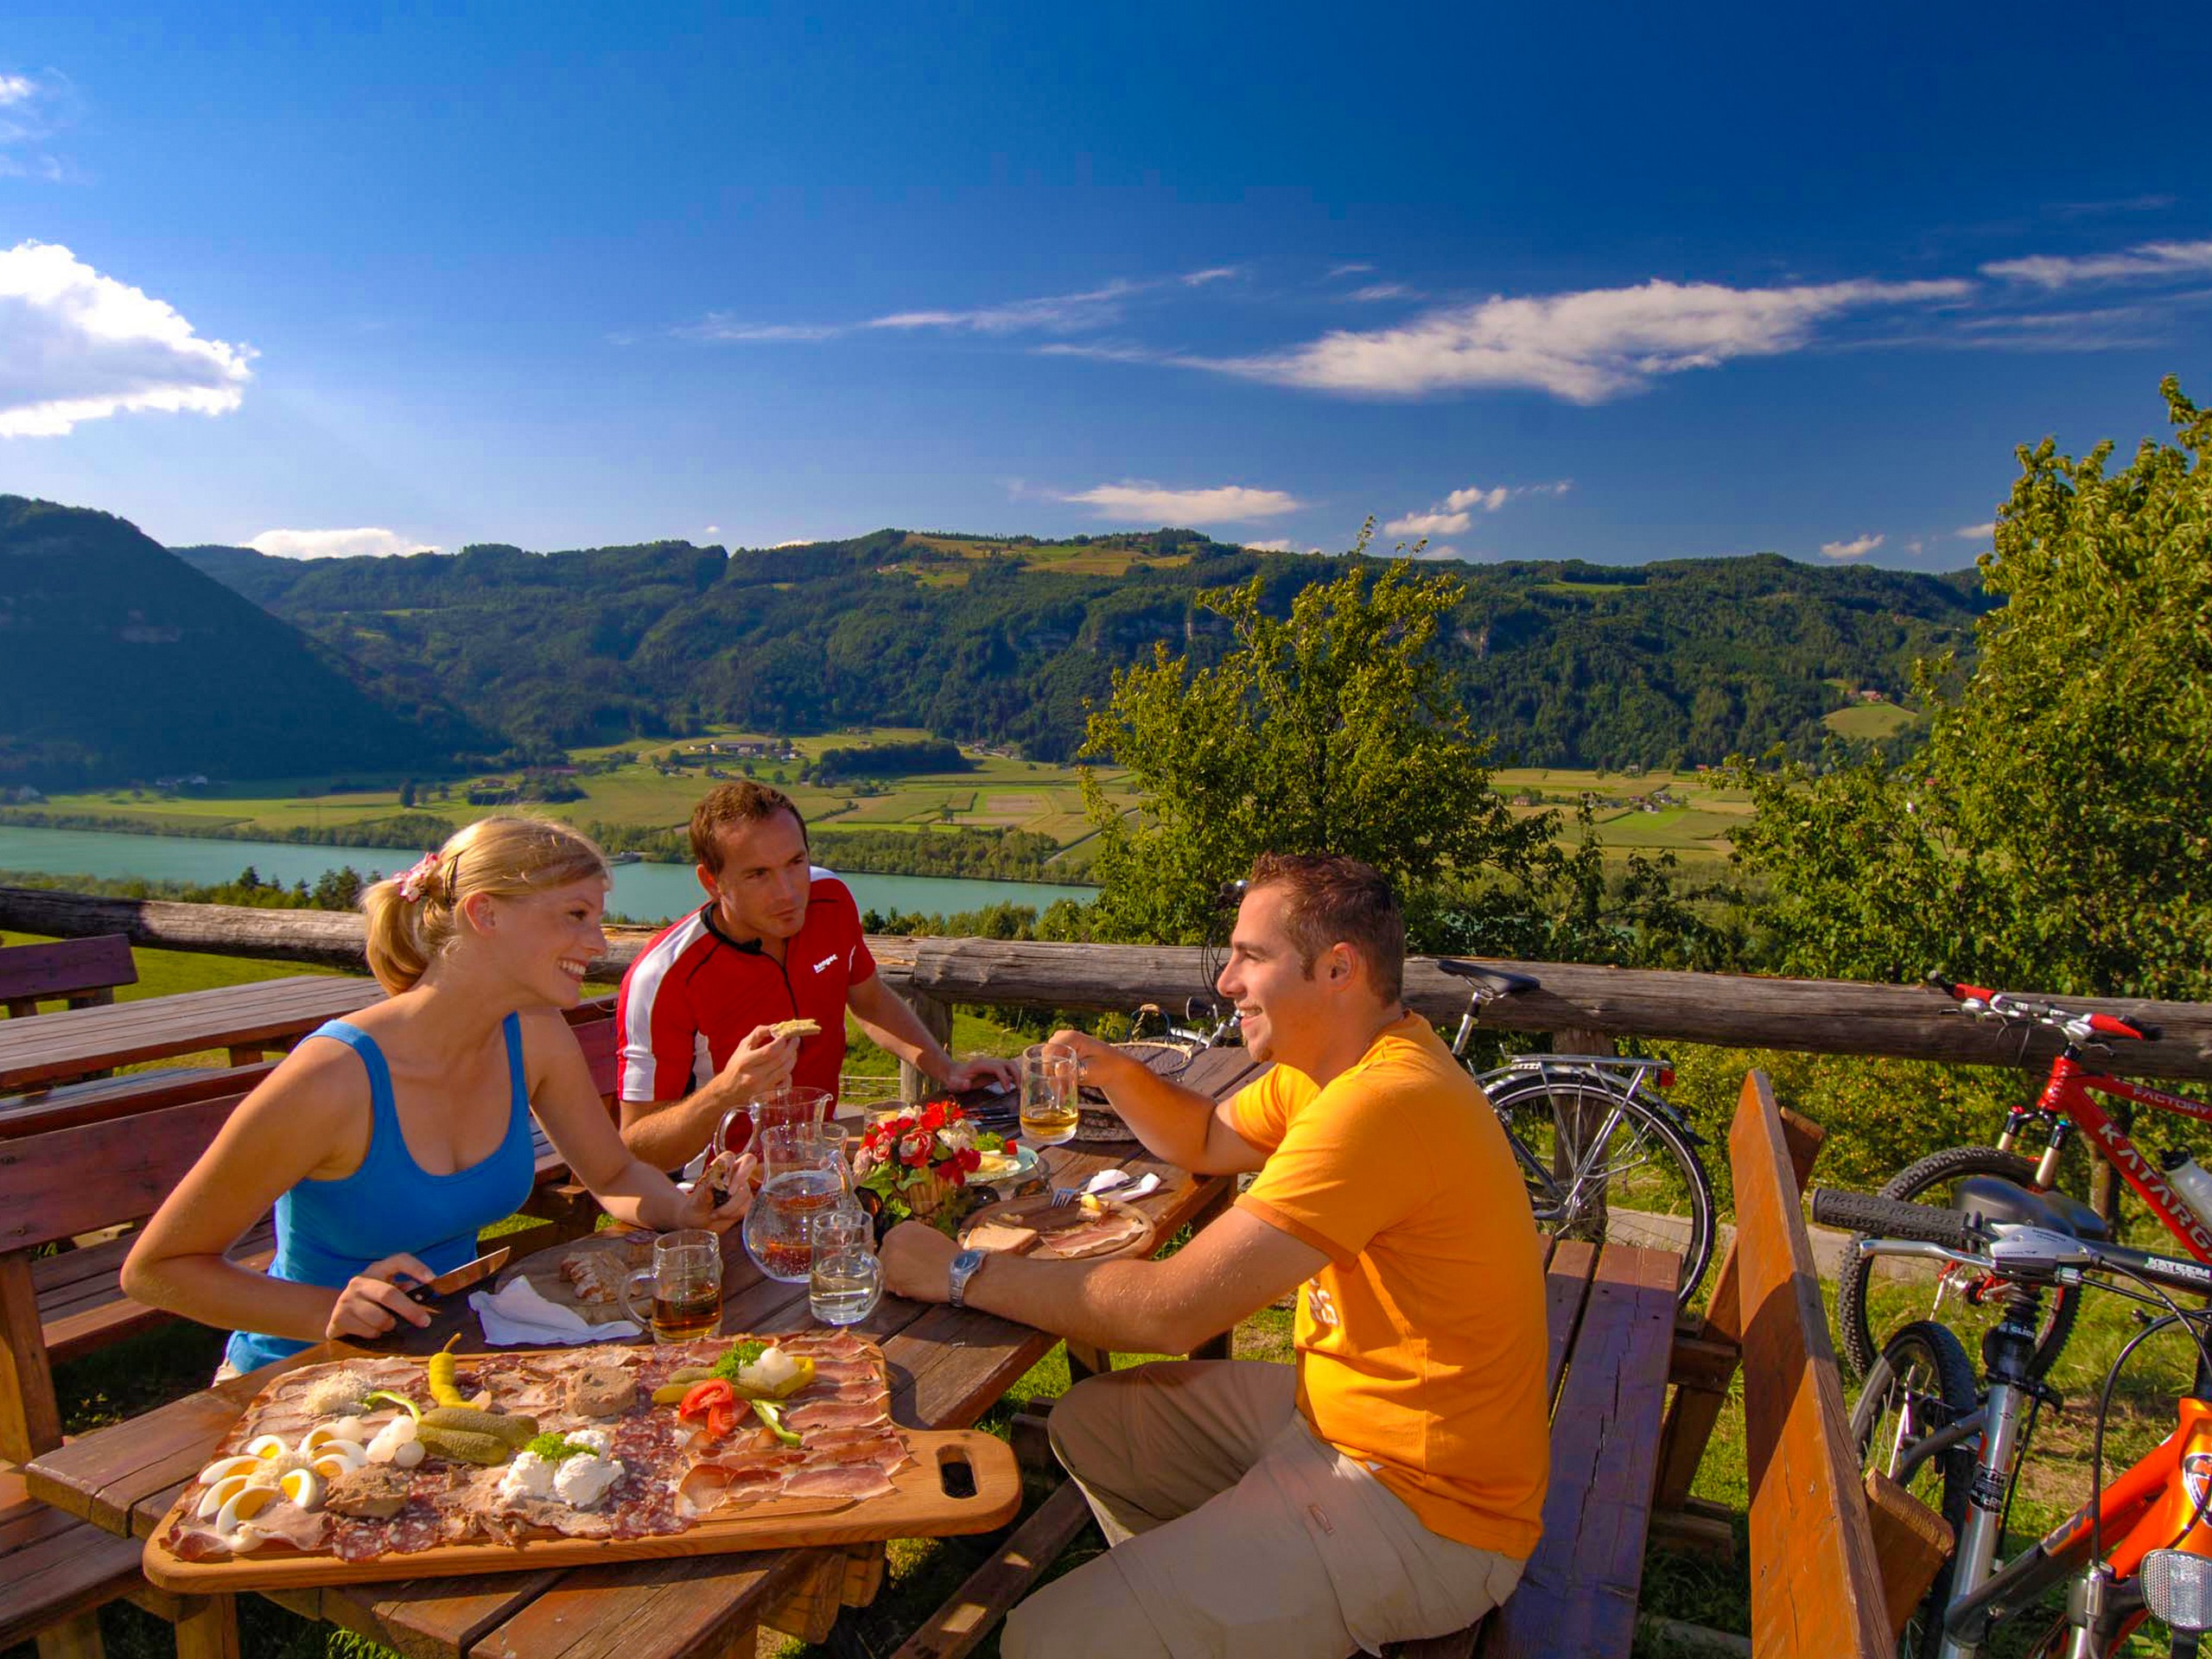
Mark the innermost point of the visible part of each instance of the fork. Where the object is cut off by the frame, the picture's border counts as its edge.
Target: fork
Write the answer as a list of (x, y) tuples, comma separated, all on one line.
[(1104, 1180)]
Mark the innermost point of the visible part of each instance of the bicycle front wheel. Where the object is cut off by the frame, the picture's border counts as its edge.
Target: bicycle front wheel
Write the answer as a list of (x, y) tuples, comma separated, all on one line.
[(1904, 1289), (1599, 1161), (1923, 1382)]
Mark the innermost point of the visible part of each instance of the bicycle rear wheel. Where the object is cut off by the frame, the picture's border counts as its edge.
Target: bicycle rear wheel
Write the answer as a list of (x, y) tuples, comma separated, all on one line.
[(1597, 1159), (1922, 1383), (1910, 1289)]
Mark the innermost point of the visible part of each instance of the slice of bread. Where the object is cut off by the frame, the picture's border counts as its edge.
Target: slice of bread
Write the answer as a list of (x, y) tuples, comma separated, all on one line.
[(1001, 1235), (796, 1028)]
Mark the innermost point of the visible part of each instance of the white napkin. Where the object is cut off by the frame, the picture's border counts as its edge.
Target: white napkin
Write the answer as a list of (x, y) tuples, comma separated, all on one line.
[(518, 1315), (1143, 1189)]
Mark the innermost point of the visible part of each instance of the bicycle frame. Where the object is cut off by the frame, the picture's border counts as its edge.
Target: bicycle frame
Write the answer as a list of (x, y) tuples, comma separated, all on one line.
[(2158, 1503), (2068, 1097)]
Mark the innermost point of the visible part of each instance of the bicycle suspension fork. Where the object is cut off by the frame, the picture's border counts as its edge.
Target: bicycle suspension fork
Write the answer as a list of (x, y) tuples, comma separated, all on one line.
[(2006, 1353)]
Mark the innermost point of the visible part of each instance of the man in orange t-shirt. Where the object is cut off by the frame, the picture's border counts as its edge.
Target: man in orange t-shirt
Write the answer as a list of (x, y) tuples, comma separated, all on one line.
[(1390, 1485)]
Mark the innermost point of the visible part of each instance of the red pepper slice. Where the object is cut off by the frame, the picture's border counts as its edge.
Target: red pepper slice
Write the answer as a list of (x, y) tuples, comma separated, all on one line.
[(714, 1391)]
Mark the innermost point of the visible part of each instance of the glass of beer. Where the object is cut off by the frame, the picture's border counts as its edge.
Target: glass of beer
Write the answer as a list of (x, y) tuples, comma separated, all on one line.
[(1048, 1094), (685, 1284)]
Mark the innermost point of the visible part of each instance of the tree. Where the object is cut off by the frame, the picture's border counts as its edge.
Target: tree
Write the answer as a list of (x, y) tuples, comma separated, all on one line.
[(407, 795), (1334, 729), (2056, 832)]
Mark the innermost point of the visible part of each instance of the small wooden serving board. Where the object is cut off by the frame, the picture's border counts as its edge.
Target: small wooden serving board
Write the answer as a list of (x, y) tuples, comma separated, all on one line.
[(920, 1508), (633, 1251), (1025, 1212)]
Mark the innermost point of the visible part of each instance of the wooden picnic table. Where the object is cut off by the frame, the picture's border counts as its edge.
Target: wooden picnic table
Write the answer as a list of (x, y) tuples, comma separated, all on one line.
[(948, 1367), (246, 1020)]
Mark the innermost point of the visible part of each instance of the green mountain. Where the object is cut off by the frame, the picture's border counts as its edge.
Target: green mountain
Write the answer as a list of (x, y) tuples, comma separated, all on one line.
[(1005, 639), (119, 660)]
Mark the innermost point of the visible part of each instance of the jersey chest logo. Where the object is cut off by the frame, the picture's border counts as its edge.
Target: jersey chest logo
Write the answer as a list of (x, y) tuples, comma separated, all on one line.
[(826, 962), (1320, 1306)]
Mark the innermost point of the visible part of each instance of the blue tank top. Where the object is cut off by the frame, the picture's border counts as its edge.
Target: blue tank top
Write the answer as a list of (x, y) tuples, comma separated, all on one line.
[(328, 1231)]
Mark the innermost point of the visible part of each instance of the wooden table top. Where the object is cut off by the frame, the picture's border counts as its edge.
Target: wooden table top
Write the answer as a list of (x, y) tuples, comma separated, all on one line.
[(73, 1042), (948, 1367)]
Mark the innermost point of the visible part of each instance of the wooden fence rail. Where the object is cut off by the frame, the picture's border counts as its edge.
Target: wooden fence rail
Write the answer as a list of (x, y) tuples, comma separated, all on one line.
[(1738, 1010)]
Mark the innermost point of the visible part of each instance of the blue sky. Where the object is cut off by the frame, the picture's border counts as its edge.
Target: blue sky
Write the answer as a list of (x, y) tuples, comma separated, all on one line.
[(1607, 283)]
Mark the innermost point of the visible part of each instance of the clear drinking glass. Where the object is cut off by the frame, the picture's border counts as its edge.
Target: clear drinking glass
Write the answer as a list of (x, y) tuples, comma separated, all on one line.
[(1048, 1094), (802, 1174), (686, 1283), (846, 1281)]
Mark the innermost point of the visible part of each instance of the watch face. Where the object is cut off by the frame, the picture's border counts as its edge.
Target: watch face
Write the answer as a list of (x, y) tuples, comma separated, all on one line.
[(967, 1261)]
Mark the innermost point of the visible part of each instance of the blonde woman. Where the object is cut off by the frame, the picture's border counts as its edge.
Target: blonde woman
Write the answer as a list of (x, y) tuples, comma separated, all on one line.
[(385, 1142)]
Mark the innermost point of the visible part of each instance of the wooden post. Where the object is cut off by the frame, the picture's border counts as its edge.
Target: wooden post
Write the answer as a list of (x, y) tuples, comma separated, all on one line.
[(1816, 1585), (1698, 1399), (31, 1418), (935, 1016)]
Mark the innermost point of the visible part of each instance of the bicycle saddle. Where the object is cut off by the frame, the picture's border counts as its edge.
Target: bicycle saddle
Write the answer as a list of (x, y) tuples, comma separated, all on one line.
[(1996, 1200), (1495, 980)]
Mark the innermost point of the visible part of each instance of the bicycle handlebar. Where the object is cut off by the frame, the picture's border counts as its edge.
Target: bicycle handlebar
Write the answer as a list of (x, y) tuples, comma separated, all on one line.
[(1860, 1212), (1979, 999)]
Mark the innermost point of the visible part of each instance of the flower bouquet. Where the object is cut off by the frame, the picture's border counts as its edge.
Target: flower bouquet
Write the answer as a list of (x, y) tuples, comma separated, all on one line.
[(914, 1164)]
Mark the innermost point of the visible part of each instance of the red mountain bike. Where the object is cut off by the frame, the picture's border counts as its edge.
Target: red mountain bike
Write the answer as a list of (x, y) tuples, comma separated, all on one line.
[(1958, 1296)]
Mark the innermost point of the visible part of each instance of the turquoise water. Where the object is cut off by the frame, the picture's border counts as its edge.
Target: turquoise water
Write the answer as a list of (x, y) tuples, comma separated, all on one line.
[(644, 892)]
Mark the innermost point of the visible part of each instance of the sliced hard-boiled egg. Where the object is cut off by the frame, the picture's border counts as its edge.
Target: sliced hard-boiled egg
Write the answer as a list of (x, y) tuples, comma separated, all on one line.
[(304, 1487), (242, 1505), (322, 1434), (267, 1446), (221, 1493), (223, 1468), (333, 1458)]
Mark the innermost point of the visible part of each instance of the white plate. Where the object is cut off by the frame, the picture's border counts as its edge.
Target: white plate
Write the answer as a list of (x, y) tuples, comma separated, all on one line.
[(1026, 1166)]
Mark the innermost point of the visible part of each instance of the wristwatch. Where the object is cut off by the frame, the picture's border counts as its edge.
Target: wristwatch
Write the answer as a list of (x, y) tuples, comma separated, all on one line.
[(964, 1269)]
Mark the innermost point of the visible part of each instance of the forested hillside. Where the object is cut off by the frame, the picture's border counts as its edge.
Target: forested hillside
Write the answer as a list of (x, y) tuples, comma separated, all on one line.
[(118, 660), (1005, 640)]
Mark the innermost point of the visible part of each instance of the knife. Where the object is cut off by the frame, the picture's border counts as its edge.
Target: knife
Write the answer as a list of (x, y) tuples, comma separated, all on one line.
[(469, 1272)]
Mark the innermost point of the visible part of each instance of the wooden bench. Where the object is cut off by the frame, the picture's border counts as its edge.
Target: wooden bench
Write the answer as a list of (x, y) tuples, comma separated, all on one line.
[(1610, 1317), (1838, 1563)]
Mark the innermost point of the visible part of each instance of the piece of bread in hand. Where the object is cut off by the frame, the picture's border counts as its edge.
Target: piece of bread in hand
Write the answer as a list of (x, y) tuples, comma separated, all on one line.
[(794, 1028)]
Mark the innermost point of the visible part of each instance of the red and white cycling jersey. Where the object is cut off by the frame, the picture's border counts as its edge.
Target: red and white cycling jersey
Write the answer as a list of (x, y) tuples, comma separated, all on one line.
[(694, 994)]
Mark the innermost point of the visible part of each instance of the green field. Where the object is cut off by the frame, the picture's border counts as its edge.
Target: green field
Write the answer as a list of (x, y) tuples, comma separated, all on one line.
[(1870, 722), (1687, 813)]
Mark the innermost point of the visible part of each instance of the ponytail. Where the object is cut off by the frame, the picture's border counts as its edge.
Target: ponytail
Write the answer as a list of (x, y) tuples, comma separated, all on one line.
[(414, 918)]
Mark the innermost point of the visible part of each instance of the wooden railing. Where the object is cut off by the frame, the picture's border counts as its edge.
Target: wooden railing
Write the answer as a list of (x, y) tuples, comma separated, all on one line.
[(1592, 1004)]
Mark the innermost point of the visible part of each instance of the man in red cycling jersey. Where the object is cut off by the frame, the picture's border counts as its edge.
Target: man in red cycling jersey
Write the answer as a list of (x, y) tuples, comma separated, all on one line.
[(778, 942)]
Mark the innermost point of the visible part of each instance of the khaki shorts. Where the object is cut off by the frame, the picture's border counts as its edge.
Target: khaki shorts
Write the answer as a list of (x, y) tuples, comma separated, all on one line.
[(1236, 1531)]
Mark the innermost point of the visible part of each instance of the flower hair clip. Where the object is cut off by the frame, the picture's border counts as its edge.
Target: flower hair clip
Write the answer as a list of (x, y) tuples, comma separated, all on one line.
[(411, 881)]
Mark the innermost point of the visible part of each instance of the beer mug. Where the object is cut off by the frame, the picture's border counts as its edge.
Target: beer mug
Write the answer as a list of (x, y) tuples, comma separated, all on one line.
[(685, 1283)]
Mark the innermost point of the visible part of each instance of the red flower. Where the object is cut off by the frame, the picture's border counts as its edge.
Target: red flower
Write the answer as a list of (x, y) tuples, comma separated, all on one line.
[(950, 1172), (970, 1159), (933, 1115)]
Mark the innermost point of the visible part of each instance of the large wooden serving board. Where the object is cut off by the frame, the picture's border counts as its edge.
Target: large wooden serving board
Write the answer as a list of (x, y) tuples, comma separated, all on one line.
[(920, 1508), (1028, 1212)]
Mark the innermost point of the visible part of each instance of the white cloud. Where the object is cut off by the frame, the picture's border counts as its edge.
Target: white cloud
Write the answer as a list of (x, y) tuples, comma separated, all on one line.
[(1383, 291), (1584, 347), (2150, 261), (365, 542), (1353, 270), (1056, 313), (77, 346), (714, 529), (1226, 504), (1976, 532), (1857, 548), (1441, 550), (1458, 510), (719, 327), (16, 89), (1489, 500), (1428, 523), (1211, 274), (1279, 545)]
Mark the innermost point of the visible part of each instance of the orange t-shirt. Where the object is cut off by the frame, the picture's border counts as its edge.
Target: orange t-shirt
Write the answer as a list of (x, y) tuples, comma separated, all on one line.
[(1421, 1342)]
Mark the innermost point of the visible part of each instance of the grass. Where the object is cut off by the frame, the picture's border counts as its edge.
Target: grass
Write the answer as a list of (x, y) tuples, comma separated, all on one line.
[(1870, 722)]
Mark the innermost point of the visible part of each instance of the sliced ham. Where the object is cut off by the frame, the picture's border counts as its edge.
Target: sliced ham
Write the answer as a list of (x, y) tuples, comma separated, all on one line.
[(836, 1413), (839, 1480)]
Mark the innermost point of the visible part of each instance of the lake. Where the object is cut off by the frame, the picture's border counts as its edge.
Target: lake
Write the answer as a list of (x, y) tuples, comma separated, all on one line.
[(645, 892)]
